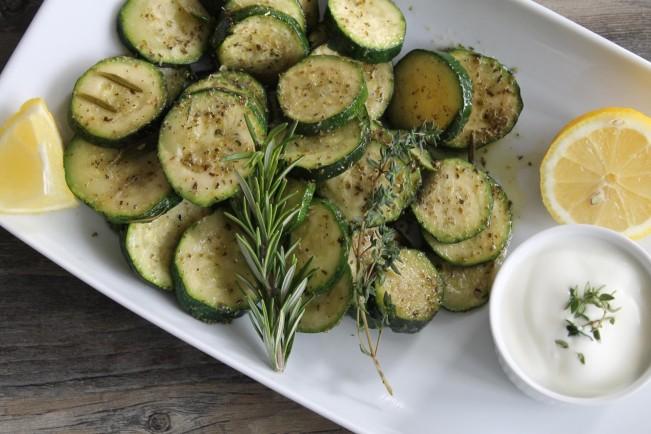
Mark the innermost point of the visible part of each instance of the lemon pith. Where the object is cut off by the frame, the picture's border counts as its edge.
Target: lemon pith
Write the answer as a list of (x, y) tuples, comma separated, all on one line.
[(598, 171)]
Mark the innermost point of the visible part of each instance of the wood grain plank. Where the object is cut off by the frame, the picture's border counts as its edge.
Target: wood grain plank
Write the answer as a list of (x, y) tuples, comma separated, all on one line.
[(71, 360)]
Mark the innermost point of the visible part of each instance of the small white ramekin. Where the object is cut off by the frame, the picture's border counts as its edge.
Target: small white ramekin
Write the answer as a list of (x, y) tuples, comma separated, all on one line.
[(556, 236)]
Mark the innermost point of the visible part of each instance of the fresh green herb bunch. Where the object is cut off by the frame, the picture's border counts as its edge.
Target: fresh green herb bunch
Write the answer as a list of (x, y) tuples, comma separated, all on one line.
[(276, 293), (375, 249)]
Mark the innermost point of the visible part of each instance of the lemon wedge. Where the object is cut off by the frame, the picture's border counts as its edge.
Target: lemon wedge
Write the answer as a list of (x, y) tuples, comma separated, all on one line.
[(32, 178), (598, 171)]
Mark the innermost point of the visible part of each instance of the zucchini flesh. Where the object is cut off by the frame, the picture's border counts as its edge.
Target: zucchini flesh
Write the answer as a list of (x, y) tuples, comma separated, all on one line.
[(237, 82), (325, 311), (149, 247), (410, 298), (125, 185), (311, 12), (323, 238), (455, 202), (206, 264), (197, 134), (352, 190), (488, 244), (164, 31), (116, 99), (467, 288), (322, 93), (261, 41), (497, 102), (379, 82), (330, 153), (431, 87), (176, 80), (369, 30), (300, 194), (289, 7)]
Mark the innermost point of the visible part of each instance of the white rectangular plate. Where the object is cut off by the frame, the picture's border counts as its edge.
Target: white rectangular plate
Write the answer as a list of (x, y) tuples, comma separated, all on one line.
[(446, 378)]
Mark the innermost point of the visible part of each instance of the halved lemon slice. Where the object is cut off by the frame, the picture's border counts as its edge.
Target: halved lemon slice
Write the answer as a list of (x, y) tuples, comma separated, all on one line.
[(32, 179), (598, 171)]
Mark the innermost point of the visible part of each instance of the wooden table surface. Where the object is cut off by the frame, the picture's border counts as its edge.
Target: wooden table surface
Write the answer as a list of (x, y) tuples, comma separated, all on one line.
[(73, 360)]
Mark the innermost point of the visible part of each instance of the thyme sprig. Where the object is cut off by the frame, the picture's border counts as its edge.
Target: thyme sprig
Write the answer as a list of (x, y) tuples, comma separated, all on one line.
[(580, 324), (375, 249), (261, 211)]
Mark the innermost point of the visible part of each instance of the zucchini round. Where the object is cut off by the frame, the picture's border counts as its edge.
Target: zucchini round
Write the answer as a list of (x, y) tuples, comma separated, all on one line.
[(149, 247), (488, 244), (289, 7), (466, 288), (116, 99), (431, 87), (496, 101), (379, 82), (206, 264), (322, 93), (125, 185), (261, 41), (352, 190), (165, 32), (455, 202), (323, 238), (371, 30), (410, 298), (325, 311), (331, 153), (197, 134)]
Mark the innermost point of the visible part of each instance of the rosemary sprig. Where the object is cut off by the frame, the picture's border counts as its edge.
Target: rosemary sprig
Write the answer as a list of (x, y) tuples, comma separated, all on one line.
[(581, 325), (375, 249), (275, 294)]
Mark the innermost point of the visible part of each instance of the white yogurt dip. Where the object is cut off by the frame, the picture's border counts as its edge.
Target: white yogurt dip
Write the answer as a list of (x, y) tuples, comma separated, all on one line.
[(532, 316)]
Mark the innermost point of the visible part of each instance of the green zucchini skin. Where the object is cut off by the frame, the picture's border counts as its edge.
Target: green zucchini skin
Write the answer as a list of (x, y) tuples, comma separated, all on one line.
[(225, 29), (421, 73), (304, 252), (497, 101), (324, 312), (84, 178), (291, 8), (147, 127), (346, 45), (409, 306), (327, 171), (486, 246), (200, 310), (161, 60), (149, 247), (210, 242), (461, 211), (356, 106)]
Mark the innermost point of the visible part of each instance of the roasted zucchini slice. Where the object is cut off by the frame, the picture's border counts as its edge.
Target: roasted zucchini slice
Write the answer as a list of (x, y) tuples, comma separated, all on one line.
[(325, 311), (116, 100), (431, 87), (323, 239), (290, 8), (488, 244), (322, 93), (165, 32), (206, 264), (372, 31), (410, 298), (149, 247), (125, 185), (197, 134), (496, 101), (455, 202)]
